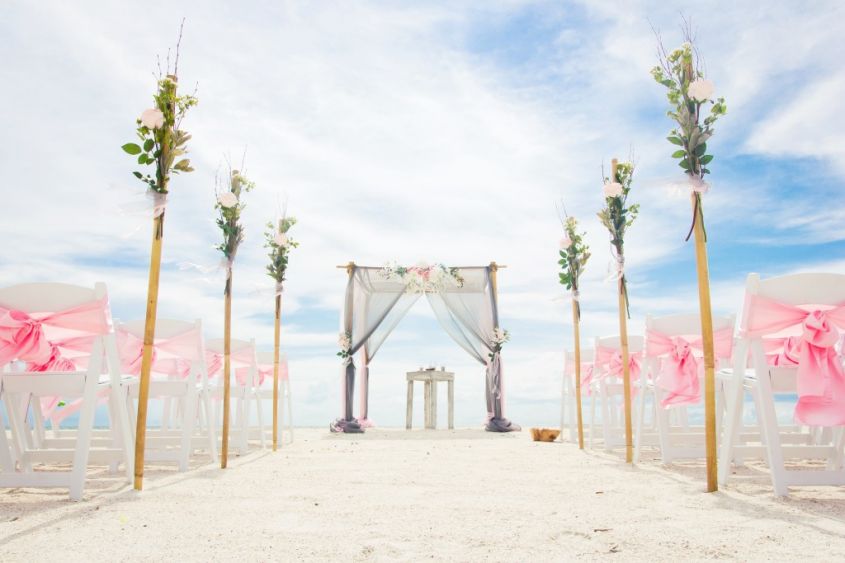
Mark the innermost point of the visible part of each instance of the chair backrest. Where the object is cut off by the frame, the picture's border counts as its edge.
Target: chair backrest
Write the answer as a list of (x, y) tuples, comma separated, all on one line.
[(635, 343), (243, 356), (587, 356), (75, 319), (265, 357), (179, 346), (49, 297), (686, 325), (815, 289)]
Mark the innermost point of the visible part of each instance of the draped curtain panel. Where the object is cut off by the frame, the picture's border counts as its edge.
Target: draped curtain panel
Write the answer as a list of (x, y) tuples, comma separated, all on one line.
[(375, 305)]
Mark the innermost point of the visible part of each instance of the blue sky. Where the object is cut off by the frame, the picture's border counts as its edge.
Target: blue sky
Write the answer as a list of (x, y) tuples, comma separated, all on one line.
[(437, 131)]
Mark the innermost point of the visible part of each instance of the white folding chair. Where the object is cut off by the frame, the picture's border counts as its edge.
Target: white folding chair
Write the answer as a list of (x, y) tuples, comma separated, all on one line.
[(677, 438), (608, 388), (179, 379), (265, 368), (810, 292), (64, 313), (243, 389)]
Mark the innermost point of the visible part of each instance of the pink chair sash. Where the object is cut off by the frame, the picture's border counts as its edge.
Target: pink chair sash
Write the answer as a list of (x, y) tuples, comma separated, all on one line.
[(240, 359), (587, 372), (821, 376), (23, 336), (171, 356), (679, 365), (609, 360)]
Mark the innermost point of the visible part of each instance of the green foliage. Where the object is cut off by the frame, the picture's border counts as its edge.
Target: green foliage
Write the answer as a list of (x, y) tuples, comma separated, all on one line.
[(229, 217), (676, 71), (279, 253), (163, 145), (573, 259), (617, 215)]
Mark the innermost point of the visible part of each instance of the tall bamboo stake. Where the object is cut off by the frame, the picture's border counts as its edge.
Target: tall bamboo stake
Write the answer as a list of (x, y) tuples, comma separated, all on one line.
[(706, 314), (276, 371), (623, 341), (227, 352), (147, 357), (576, 323)]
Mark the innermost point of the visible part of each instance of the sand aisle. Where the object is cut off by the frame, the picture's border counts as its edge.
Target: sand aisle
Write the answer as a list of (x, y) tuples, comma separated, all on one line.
[(391, 495)]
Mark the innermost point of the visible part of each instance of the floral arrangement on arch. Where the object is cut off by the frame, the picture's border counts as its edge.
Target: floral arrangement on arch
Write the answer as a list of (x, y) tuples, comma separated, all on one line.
[(279, 243), (423, 278), (689, 94), (617, 216), (344, 341), (574, 254), (500, 338), (229, 205)]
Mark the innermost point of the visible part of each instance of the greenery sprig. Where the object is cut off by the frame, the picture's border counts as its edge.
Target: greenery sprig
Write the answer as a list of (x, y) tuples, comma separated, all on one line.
[(159, 130), (689, 94), (229, 206), (279, 244), (617, 216), (574, 254)]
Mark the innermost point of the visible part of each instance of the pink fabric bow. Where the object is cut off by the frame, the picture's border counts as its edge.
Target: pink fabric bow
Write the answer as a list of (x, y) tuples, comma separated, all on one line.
[(679, 365), (587, 373), (23, 336), (611, 360), (821, 376)]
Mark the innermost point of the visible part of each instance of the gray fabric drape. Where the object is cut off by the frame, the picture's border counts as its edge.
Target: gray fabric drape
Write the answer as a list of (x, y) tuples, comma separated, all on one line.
[(372, 309)]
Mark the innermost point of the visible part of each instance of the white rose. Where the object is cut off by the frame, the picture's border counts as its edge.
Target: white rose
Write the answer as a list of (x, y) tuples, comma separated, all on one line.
[(152, 118), (227, 200), (612, 189), (565, 242), (281, 239), (701, 90)]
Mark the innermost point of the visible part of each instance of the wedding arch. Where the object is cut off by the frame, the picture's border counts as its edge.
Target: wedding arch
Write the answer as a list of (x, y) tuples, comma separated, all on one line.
[(465, 302)]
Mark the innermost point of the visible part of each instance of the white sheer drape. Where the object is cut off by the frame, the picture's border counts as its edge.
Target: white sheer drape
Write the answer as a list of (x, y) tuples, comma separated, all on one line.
[(469, 314)]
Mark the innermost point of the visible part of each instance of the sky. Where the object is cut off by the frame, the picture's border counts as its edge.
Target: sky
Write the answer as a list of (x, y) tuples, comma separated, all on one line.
[(432, 131)]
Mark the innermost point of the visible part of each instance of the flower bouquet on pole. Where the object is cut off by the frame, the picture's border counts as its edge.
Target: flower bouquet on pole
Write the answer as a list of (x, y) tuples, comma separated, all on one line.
[(229, 206), (279, 243), (617, 216), (574, 254), (690, 94), (163, 143)]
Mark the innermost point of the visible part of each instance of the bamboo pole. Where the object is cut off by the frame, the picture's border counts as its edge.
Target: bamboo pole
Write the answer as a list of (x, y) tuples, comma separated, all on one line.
[(706, 314), (227, 364), (276, 371), (623, 342), (576, 322), (147, 357)]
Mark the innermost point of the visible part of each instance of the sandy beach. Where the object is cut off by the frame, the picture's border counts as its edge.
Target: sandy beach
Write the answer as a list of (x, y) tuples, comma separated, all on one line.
[(462, 495)]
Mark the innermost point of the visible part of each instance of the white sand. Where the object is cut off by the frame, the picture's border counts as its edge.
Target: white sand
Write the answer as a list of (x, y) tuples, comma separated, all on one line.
[(392, 495)]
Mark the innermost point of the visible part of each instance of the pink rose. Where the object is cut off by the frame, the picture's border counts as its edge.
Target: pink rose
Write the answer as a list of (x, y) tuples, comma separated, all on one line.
[(565, 242)]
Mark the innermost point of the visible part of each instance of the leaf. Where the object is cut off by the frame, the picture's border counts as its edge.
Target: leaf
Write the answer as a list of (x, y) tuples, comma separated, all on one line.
[(142, 159), (684, 164), (679, 154), (148, 145), (138, 175), (701, 149), (706, 158), (675, 141), (131, 148)]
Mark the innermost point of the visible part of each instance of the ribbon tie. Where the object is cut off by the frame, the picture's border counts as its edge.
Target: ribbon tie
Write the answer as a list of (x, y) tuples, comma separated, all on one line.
[(820, 374), (680, 368), (611, 360)]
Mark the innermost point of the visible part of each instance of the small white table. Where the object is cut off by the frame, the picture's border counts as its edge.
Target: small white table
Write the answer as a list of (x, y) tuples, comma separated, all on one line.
[(430, 378)]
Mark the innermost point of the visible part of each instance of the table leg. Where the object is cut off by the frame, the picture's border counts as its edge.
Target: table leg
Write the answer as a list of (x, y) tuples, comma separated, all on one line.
[(409, 415), (434, 405), (451, 405), (427, 404)]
